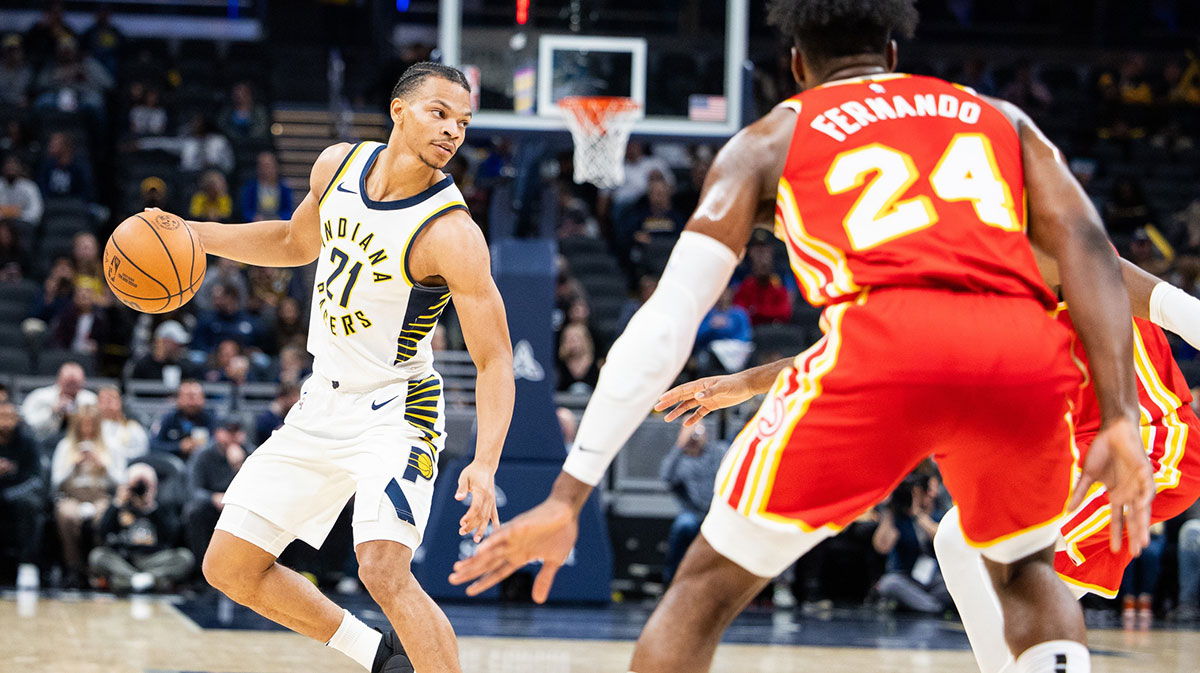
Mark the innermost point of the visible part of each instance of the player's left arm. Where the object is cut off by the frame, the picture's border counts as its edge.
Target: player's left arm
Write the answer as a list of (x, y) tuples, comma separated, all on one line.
[(454, 250)]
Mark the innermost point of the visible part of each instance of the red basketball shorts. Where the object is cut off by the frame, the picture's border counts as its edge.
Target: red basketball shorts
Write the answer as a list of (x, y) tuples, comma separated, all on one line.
[(1087, 561), (980, 382)]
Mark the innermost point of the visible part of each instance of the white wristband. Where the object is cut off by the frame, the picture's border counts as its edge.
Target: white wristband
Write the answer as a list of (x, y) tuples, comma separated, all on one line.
[(651, 351), (1176, 311)]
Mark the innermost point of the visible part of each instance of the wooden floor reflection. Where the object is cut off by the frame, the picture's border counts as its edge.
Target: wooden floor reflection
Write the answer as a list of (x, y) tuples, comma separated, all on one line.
[(106, 635)]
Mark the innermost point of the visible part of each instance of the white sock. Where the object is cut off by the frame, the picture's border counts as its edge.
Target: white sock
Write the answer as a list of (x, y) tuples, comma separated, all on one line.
[(1055, 656), (971, 588), (356, 640)]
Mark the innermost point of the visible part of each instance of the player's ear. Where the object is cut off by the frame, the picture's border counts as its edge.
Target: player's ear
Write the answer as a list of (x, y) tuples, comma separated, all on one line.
[(396, 110), (890, 55), (798, 67)]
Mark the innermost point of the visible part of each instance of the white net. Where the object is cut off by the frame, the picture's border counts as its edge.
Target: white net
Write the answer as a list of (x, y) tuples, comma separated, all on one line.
[(600, 127)]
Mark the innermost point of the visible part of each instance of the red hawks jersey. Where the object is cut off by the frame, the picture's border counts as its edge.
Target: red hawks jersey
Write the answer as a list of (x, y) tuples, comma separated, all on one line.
[(1161, 386), (904, 181)]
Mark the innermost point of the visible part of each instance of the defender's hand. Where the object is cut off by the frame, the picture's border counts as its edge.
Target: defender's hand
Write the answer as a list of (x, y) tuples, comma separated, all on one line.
[(705, 396), (546, 532), (1117, 458), (479, 481)]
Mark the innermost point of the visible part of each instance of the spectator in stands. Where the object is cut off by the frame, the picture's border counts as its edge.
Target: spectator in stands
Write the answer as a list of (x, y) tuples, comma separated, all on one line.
[(227, 320), (763, 293), (640, 164), (5, 395), (73, 81), (123, 436), (83, 474), (85, 257), (212, 202), (1141, 581), (18, 142), (1182, 83), (294, 365), (646, 285), (243, 118), (268, 287), (147, 116), (81, 327), (204, 147), (725, 320), (20, 198), (42, 37), (15, 74), (21, 495), (271, 419), (655, 220), (569, 426), (685, 200), (976, 75), (266, 197), (167, 360), (689, 470), (1189, 568), (137, 551), (154, 193), (187, 428), (1150, 251), (1026, 90), (1132, 82), (58, 291), (62, 173), (46, 409), (104, 41), (14, 260), (290, 327), (577, 368), (223, 272), (1126, 209), (905, 536), (209, 474)]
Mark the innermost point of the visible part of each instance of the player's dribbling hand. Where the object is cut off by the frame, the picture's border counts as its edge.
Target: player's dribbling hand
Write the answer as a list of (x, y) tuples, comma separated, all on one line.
[(705, 396), (1117, 458), (478, 480), (546, 532)]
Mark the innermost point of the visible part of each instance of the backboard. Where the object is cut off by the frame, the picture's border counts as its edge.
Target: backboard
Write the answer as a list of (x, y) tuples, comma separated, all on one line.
[(683, 66)]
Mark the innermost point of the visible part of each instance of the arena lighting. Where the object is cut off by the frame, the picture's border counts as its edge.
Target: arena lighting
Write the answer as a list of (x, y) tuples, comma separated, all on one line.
[(522, 12), (402, 5)]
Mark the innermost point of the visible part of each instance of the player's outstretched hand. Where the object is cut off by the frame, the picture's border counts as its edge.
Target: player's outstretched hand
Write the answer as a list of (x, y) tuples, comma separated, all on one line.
[(1117, 458), (705, 396), (479, 481), (546, 532)]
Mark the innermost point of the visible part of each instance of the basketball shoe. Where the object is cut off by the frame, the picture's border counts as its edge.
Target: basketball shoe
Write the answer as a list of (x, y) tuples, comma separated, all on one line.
[(390, 657)]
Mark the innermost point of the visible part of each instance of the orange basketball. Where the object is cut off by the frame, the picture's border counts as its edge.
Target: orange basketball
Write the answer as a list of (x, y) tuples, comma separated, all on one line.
[(154, 262)]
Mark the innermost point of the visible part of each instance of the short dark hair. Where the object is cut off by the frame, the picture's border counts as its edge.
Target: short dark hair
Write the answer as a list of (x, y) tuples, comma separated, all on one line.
[(825, 29), (417, 73)]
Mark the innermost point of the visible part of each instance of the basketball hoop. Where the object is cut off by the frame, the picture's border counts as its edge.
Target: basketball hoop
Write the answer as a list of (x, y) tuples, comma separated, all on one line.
[(600, 127)]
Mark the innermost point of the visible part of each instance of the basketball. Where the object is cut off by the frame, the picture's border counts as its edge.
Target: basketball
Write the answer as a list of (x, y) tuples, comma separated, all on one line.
[(154, 262)]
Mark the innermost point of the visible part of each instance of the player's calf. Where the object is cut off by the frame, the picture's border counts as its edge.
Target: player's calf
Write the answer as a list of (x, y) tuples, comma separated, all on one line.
[(1043, 623)]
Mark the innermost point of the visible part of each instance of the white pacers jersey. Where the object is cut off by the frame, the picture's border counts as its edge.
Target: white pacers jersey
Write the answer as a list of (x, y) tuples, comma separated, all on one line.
[(372, 323)]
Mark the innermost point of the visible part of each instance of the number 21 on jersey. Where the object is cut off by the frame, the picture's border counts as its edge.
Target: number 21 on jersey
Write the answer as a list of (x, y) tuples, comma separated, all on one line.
[(967, 171)]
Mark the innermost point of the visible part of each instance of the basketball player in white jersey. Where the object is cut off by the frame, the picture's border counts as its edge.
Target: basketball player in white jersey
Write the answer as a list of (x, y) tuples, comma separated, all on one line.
[(394, 242)]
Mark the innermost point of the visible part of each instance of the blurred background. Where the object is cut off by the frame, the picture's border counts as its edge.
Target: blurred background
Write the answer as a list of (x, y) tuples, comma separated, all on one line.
[(215, 110)]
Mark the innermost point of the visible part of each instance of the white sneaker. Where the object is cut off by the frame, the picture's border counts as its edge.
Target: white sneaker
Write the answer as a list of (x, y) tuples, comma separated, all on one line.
[(141, 582), (28, 577), (783, 598)]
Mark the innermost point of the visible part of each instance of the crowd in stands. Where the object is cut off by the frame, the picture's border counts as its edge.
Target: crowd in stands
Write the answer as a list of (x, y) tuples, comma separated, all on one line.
[(95, 126)]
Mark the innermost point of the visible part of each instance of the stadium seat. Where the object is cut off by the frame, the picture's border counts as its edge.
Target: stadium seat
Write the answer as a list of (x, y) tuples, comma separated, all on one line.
[(578, 246), (783, 339), (14, 361), (48, 361)]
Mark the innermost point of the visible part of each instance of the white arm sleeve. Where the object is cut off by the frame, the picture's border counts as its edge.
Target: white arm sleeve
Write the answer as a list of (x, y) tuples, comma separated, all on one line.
[(650, 352), (1176, 311)]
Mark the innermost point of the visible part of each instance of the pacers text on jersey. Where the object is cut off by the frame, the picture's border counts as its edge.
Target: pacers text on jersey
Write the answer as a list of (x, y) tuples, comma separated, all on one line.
[(848, 118), (347, 321)]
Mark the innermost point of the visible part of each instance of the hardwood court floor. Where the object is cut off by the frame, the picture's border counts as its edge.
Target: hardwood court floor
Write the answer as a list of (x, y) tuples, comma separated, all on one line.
[(105, 635)]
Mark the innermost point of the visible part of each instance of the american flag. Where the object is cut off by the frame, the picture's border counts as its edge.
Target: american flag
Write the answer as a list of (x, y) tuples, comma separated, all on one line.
[(703, 108)]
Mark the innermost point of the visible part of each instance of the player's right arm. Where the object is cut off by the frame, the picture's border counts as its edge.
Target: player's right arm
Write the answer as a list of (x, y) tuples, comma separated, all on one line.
[(1064, 224), (292, 242), (738, 192)]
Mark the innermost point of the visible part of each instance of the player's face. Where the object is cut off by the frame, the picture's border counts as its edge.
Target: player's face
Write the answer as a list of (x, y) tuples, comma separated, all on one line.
[(434, 122)]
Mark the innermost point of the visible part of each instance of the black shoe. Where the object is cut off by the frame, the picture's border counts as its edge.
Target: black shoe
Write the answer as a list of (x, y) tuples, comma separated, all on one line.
[(390, 657)]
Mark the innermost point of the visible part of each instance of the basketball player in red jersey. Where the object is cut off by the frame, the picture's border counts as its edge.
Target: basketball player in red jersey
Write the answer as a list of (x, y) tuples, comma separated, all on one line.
[(900, 200), (1171, 434)]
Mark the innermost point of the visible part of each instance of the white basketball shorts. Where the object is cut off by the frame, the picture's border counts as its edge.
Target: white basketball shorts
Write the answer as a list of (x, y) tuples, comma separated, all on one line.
[(379, 445)]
